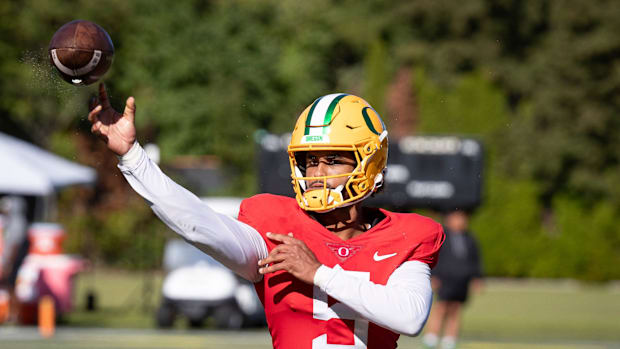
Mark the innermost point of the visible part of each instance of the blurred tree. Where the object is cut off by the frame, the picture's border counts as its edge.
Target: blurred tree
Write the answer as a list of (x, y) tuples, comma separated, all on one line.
[(557, 63), (377, 75), (536, 80), (510, 213), (571, 85)]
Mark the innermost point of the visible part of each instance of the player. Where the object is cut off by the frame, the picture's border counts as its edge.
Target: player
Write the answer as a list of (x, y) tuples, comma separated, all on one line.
[(330, 273), (459, 270)]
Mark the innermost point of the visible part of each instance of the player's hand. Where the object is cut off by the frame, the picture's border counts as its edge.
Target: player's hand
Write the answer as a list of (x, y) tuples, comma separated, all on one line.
[(291, 255), (115, 129)]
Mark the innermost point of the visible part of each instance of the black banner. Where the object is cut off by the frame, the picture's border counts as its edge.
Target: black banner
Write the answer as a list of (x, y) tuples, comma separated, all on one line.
[(436, 172)]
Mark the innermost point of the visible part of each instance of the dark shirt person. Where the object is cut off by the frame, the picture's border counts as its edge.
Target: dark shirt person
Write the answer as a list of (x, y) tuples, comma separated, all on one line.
[(457, 270)]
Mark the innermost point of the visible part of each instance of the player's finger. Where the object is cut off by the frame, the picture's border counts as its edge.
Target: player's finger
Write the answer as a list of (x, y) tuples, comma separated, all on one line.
[(280, 249), (103, 96), (282, 238), (93, 116), (130, 109), (277, 254), (272, 258), (273, 268), (96, 127), (92, 103)]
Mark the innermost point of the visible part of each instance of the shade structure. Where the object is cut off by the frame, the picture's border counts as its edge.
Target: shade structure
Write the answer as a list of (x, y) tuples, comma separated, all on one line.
[(26, 169)]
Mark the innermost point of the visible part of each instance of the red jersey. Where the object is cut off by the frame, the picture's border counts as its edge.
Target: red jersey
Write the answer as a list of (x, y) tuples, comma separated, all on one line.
[(302, 316)]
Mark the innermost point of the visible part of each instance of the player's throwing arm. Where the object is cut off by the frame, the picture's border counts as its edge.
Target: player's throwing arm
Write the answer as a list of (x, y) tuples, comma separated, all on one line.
[(236, 245)]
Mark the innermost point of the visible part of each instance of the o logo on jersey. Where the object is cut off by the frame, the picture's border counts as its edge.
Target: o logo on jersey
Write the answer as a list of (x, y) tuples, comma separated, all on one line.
[(343, 251)]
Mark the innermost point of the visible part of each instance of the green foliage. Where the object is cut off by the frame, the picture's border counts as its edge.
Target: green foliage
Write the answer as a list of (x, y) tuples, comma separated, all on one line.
[(473, 106), (508, 227), (518, 235), (575, 105), (510, 214), (586, 242), (554, 60), (129, 237), (377, 75), (537, 81)]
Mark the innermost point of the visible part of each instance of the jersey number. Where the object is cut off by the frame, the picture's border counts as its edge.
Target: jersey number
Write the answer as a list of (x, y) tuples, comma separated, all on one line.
[(322, 311)]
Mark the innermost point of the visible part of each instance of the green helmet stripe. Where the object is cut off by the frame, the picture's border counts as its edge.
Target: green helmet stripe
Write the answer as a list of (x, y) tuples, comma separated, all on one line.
[(321, 114), (330, 110), (309, 117)]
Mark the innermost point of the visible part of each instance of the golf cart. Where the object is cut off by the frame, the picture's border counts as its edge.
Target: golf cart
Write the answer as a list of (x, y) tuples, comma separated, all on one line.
[(198, 287)]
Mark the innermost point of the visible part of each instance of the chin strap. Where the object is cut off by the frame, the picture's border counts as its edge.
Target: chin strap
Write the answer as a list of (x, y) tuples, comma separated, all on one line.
[(338, 191), (314, 198), (302, 182), (379, 180), (382, 136)]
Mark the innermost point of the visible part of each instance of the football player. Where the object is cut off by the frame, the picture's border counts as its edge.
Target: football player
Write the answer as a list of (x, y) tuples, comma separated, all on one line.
[(329, 272)]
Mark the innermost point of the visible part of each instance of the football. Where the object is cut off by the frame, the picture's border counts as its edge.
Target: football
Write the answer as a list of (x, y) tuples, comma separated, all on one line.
[(81, 51)]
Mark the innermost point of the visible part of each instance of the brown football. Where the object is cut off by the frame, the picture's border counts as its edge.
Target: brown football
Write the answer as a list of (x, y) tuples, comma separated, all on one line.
[(81, 51)]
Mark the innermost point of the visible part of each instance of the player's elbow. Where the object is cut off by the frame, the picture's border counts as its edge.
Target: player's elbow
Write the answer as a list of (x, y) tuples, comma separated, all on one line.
[(413, 327), (416, 319), (407, 324)]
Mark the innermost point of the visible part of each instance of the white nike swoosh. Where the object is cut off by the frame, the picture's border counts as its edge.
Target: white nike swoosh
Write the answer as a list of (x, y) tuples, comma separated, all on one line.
[(378, 258)]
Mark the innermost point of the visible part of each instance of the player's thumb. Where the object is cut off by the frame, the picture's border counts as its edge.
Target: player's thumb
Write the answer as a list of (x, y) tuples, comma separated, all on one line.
[(130, 109)]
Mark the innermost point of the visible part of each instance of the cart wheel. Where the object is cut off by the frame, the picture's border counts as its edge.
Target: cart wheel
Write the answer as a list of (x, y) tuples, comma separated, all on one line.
[(165, 315), (228, 316), (195, 323)]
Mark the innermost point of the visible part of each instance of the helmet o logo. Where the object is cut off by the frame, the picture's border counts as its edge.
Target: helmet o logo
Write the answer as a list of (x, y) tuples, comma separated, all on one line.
[(343, 252)]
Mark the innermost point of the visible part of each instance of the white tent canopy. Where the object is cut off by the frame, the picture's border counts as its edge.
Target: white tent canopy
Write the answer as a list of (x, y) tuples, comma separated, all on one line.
[(29, 170)]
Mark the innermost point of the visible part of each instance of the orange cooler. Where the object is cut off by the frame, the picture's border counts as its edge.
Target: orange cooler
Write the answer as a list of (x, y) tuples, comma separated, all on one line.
[(46, 238)]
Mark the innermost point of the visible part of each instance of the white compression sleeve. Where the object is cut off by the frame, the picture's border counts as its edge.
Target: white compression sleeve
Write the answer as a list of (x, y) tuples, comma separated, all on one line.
[(401, 305), (233, 243)]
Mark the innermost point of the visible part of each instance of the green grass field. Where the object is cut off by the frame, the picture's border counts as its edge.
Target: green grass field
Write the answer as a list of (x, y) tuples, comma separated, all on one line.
[(506, 315), (72, 338)]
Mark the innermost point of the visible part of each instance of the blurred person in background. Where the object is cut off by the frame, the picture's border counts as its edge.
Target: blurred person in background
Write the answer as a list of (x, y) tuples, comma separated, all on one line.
[(15, 244), (458, 269)]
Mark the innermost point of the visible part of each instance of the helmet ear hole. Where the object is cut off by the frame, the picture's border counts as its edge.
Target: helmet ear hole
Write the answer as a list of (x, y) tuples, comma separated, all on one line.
[(368, 148)]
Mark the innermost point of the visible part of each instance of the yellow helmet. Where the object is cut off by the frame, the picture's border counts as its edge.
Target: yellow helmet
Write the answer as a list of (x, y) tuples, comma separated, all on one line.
[(339, 122)]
